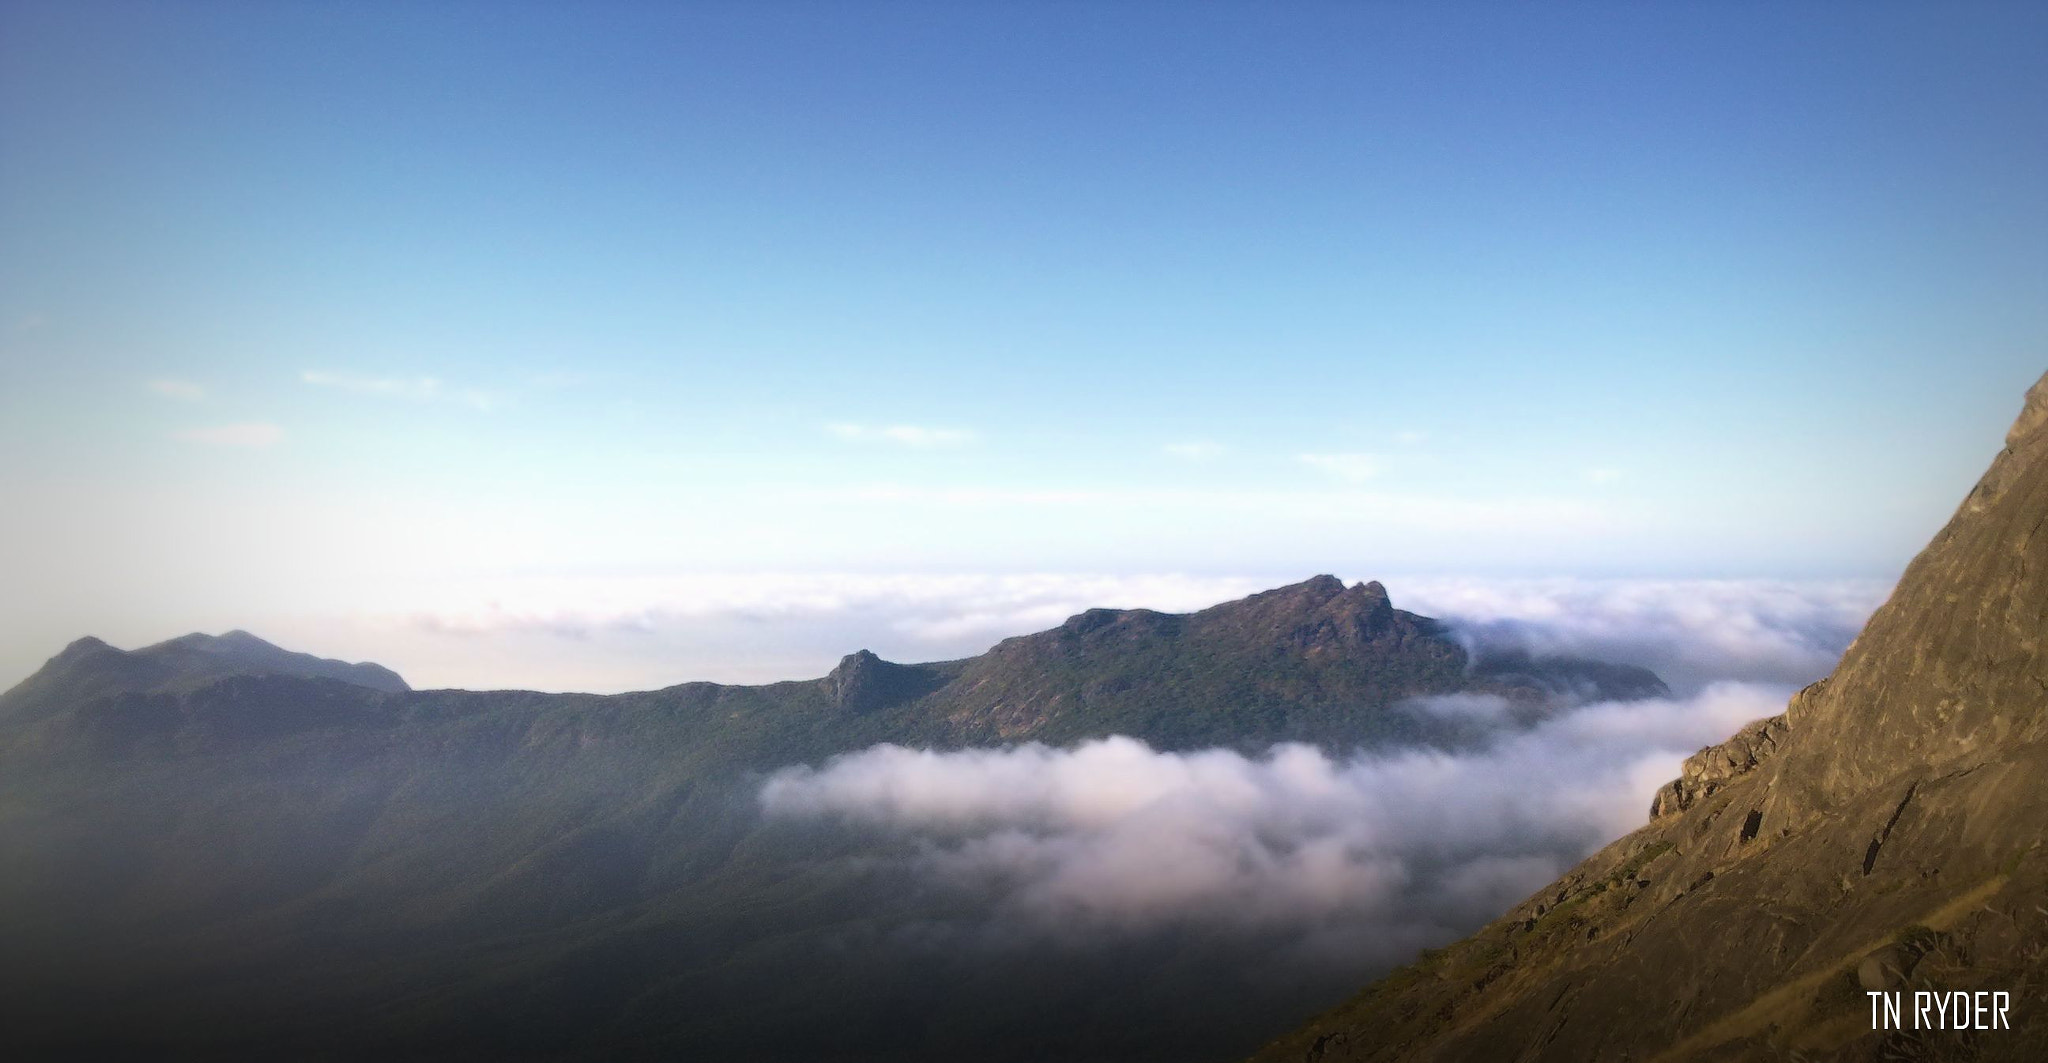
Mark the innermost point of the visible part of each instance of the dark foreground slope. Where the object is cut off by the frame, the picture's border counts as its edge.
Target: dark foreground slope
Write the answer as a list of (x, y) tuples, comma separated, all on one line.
[(1884, 833), (214, 848)]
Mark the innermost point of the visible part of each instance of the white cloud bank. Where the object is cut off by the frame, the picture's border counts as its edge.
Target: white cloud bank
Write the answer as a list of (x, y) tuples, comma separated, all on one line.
[(1366, 854), (1690, 632)]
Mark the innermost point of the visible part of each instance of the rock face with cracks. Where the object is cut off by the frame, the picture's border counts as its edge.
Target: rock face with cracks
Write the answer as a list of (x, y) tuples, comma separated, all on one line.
[(1884, 833)]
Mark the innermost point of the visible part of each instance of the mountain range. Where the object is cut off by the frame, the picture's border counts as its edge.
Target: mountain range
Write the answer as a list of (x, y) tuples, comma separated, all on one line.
[(218, 846)]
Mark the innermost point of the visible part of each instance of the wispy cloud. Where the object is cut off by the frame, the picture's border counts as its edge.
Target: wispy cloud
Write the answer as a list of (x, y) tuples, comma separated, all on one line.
[(909, 435), (1352, 468), (1410, 438), (182, 390), (1195, 450), (254, 434), (414, 388), (418, 388), (1602, 476), (1383, 509), (555, 378)]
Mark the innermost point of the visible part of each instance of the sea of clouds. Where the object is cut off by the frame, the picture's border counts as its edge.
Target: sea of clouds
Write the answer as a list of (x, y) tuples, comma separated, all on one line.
[(1346, 855), (1350, 855)]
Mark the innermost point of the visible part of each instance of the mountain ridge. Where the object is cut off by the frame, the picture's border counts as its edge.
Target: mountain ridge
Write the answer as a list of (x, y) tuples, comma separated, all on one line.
[(1300, 661)]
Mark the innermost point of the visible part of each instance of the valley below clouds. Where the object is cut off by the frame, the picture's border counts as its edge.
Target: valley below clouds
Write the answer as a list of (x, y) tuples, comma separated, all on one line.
[(1355, 859)]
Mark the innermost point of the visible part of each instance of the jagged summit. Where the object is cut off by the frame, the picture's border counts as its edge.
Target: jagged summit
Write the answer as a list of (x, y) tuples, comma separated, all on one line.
[(863, 682), (1885, 832), (1310, 593), (1315, 588)]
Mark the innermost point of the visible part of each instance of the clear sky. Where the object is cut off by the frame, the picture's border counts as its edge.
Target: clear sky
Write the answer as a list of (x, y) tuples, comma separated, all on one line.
[(313, 312)]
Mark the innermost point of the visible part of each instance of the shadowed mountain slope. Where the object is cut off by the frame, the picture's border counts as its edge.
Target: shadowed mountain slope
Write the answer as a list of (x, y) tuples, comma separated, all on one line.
[(1884, 833), (216, 848)]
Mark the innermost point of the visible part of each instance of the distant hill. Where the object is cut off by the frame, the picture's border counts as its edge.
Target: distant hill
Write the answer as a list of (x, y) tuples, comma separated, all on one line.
[(89, 669), (214, 846), (1884, 834)]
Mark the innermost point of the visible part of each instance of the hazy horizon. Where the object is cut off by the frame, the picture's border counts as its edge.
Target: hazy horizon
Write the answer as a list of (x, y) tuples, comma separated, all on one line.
[(755, 630)]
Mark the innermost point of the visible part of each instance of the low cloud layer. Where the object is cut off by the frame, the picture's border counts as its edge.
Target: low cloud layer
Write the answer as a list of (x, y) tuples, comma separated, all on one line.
[(1690, 632), (1365, 856)]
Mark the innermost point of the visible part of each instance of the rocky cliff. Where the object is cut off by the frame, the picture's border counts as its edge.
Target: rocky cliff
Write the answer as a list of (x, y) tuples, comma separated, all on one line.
[(1884, 833)]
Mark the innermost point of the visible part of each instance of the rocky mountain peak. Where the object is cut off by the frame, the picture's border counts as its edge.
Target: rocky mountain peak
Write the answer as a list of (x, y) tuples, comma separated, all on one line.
[(1368, 601), (1322, 586), (863, 682)]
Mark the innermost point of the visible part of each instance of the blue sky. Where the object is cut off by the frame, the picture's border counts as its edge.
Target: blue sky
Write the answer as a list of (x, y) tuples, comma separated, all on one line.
[(307, 307)]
